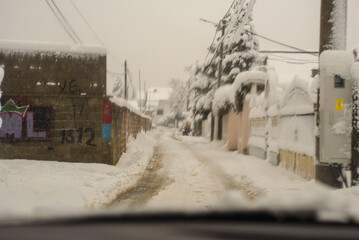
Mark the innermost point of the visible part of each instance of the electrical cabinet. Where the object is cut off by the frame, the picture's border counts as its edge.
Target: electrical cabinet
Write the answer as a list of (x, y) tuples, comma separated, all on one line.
[(335, 107)]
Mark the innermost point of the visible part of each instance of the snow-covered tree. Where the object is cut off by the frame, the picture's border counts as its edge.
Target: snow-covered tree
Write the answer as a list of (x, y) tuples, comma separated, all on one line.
[(118, 88), (178, 98), (240, 53)]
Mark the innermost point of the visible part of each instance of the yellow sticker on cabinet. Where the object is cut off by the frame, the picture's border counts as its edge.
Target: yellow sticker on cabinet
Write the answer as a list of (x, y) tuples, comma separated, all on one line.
[(339, 104)]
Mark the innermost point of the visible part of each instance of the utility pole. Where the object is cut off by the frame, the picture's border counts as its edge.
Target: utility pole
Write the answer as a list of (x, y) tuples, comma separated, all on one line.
[(126, 96), (188, 95), (333, 33), (145, 91), (223, 25), (217, 119), (139, 86), (332, 37)]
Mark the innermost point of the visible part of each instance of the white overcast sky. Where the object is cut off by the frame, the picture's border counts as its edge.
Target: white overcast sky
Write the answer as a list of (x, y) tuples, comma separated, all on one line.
[(161, 37)]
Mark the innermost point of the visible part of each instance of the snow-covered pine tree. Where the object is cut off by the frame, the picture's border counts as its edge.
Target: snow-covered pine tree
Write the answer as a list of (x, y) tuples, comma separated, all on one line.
[(241, 47), (240, 54)]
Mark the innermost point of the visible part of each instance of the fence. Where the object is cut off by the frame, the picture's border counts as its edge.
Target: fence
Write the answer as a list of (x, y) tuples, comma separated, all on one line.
[(283, 132)]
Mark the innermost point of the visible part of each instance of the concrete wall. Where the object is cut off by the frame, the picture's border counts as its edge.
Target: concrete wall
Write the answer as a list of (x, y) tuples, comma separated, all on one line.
[(230, 130), (243, 129), (53, 108), (125, 124)]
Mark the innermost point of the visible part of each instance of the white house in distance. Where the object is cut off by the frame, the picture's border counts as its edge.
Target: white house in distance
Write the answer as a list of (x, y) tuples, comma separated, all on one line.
[(157, 101)]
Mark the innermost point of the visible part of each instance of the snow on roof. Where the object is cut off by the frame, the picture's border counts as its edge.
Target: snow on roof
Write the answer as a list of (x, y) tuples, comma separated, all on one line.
[(249, 77), (44, 47), (222, 97), (129, 105)]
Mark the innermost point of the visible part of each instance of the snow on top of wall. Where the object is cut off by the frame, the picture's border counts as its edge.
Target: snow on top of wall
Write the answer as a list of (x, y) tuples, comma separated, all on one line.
[(298, 97), (44, 47), (249, 77), (129, 105), (223, 97), (330, 61)]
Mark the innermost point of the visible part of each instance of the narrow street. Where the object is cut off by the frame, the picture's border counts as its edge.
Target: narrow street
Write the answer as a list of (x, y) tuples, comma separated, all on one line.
[(181, 176)]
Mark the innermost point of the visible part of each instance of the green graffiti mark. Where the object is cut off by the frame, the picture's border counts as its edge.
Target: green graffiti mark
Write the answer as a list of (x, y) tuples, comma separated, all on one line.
[(11, 107)]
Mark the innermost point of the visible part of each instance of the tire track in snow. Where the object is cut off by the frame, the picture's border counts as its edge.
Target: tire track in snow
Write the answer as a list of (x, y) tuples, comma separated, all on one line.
[(150, 184), (247, 188)]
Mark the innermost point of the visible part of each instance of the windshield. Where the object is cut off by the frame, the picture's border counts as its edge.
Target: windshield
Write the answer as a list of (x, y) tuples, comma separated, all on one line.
[(124, 106)]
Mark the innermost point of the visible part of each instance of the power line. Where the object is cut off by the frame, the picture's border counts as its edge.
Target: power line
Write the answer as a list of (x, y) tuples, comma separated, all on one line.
[(289, 52), (61, 23), (214, 38), (88, 25), (234, 30), (91, 29), (289, 58), (292, 62), (114, 73), (67, 23), (280, 43)]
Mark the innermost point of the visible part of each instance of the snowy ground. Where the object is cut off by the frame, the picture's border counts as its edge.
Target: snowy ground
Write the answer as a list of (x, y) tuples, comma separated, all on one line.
[(163, 170), (204, 175), (39, 188)]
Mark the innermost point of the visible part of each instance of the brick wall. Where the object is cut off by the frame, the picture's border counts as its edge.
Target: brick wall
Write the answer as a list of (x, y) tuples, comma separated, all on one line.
[(53, 108), (125, 124)]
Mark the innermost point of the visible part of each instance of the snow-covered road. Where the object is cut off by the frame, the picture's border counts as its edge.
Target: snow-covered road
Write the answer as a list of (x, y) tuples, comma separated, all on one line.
[(192, 173)]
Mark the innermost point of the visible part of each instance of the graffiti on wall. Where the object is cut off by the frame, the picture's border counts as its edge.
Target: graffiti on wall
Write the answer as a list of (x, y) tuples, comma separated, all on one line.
[(72, 136), (24, 122)]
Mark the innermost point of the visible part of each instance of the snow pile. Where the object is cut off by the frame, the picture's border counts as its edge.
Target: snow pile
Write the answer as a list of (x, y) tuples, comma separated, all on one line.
[(45, 47), (223, 98), (31, 188), (129, 105)]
